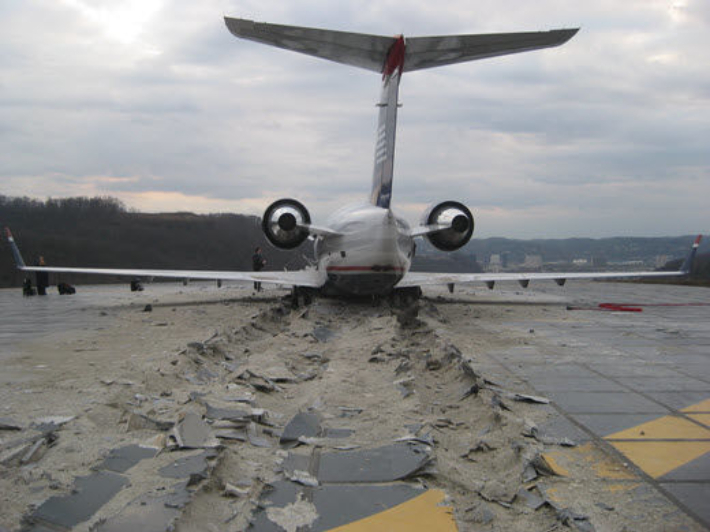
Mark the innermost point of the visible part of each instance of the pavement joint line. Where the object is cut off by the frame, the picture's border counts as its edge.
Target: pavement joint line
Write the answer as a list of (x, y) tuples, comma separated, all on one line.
[(603, 443)]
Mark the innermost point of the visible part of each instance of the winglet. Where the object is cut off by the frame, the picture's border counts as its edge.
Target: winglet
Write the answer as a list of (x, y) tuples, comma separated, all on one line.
[(688, 262), (15, 250)]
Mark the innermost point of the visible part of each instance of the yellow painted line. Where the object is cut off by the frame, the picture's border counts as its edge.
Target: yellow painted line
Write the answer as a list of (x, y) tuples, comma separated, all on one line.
[(701, 418), (664, 428), (424, 513), (703, 406), (617, 488), (658, 458), (552, 460), (604, 466)]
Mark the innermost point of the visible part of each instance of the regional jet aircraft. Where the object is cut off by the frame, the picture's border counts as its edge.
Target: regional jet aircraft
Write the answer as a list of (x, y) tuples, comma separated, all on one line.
[(366, 249)]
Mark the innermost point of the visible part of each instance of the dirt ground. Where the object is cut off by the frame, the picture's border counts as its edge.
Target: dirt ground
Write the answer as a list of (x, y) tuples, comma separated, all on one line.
[(361, 366)]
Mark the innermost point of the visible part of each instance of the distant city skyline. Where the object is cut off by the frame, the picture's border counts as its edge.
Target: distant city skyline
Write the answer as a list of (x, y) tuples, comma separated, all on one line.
[(155, 103)]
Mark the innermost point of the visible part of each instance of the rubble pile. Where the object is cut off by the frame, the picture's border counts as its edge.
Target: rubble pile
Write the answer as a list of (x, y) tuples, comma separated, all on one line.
[(299, 419)]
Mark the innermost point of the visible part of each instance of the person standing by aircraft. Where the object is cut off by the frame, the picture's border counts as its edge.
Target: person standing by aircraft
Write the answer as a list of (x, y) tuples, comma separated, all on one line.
[(258, 262), (41, 278)]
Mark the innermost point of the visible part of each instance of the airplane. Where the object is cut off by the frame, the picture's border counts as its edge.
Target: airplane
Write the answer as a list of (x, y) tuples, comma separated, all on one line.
[(365, 249)]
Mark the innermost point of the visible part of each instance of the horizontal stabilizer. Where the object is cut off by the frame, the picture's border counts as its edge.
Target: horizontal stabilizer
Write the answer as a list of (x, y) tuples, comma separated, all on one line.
[(370, 51), (428, 52), (354, 49)]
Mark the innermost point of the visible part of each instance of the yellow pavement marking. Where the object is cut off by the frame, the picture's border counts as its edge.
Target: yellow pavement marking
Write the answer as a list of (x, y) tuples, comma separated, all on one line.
[(701, 418), (552, 461), (664, 428), (604, 466), (615, 488), (424, 512), (702, 406), (658, 458)]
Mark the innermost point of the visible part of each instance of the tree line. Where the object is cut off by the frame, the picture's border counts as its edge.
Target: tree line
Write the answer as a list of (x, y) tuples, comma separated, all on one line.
[(100, 232)]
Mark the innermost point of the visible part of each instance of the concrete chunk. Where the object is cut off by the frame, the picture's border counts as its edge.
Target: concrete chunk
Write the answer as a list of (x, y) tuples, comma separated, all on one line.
[(123, 458), (150, 513), (193, 433), (88, 495)]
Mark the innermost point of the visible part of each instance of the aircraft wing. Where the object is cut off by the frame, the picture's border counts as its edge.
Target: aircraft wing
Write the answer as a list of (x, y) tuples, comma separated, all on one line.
[(309, 278), (428, 279)]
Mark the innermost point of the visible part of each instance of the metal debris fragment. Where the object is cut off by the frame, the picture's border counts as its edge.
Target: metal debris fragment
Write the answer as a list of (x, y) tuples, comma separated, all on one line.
[(530, 399), (9, 424)]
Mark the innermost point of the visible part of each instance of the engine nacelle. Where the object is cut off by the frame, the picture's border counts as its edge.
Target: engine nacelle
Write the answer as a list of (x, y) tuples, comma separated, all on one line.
[(281, 223), (453, 214)]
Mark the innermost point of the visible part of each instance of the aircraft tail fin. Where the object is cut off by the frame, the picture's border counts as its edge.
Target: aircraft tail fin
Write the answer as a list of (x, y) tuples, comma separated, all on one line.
[(391, 56), (687, 265), (19, 262)]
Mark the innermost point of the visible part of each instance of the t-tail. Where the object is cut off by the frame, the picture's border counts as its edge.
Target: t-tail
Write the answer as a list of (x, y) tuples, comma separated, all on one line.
[(391, 57)]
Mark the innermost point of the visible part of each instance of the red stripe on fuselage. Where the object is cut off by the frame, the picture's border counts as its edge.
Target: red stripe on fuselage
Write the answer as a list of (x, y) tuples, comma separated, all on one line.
[(395, 58), (378, 269)]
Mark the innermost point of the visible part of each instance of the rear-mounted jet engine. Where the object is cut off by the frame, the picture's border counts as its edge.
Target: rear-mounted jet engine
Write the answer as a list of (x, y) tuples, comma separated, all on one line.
[(283, 223), (457, 221)]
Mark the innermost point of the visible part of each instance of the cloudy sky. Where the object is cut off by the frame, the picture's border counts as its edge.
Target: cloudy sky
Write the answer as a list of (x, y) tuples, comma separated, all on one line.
[(156, 103)]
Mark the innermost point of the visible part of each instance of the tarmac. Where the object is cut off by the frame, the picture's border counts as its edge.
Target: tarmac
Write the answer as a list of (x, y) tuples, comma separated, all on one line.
[(637, 383), (624, 391)]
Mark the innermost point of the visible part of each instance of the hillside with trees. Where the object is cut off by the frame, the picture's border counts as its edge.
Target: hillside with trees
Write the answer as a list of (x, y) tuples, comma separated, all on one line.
[(102, 233)]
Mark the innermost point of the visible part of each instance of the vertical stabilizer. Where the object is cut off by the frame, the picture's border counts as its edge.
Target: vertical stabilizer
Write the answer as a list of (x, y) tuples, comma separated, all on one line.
[(387, 125), (391, 56)]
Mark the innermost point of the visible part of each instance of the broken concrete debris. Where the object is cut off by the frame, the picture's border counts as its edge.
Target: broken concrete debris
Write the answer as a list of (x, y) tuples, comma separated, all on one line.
[(87, 496), (382, 464), (122, 459), (151, 512), (9, 424), (303, 424), (236, 416), (326, 485), (254, 438), (530, 398), (193, 433), (194, 468)]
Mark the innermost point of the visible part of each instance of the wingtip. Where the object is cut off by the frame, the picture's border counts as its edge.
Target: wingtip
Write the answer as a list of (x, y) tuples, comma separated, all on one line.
[(697, 241)]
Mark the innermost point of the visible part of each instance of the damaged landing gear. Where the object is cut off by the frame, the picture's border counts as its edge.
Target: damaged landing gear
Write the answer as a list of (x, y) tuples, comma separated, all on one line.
[(300, 296), (405, 297), (405, 305)]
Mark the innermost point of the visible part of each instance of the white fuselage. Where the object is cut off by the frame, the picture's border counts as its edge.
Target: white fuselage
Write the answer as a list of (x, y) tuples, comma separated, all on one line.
[(371, 255)]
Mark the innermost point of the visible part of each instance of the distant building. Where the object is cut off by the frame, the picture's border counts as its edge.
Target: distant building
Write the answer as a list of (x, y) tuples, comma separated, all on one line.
[(494, 264), (505, 259), (533, 262), (598, 261), (661, 260)]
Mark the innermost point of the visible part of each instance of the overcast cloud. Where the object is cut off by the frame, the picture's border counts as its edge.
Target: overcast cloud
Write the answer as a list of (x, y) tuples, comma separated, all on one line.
[(156, 103)]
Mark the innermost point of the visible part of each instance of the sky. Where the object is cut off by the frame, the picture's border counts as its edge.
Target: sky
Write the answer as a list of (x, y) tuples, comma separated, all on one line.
[(155, 103)]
